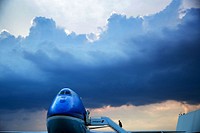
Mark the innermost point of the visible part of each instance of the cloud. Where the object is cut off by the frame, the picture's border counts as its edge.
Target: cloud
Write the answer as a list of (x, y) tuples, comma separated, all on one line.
[(168, 18), (136, 60)]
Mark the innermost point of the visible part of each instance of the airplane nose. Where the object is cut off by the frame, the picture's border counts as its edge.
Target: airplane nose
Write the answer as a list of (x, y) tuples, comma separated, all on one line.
[(68, 103)]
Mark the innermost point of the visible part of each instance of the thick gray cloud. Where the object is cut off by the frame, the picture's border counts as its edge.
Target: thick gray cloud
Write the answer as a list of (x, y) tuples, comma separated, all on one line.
[(135, 61)]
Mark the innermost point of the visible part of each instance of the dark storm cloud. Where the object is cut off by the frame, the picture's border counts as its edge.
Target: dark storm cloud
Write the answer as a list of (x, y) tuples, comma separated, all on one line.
[(136, 61)]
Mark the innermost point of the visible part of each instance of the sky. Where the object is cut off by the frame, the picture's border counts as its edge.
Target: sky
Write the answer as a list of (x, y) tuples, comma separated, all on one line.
[(137, 61)]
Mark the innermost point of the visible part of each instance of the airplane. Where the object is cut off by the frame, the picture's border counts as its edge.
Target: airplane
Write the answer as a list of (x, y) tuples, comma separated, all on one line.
[(67, 114)]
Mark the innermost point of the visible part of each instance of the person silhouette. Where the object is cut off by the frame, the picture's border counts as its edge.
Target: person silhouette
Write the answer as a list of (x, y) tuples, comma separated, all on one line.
[(120, 124)]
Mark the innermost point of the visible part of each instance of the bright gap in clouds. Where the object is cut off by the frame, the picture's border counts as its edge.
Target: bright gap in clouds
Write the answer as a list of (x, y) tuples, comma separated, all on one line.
[(78, 16), (160, 116)]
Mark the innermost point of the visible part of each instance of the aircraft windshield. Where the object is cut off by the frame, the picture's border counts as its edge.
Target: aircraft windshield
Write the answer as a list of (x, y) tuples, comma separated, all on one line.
[(65, 92)]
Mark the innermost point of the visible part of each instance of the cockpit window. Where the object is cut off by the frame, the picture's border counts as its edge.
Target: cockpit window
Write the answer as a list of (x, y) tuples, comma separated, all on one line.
[(65, 92), (62, 93)]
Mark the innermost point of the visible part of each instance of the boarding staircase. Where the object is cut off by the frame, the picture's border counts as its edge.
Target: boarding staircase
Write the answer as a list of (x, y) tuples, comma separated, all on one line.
[(101, 122)]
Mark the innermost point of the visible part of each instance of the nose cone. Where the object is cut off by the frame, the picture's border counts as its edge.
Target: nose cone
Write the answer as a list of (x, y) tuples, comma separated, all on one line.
[(67, 102)]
